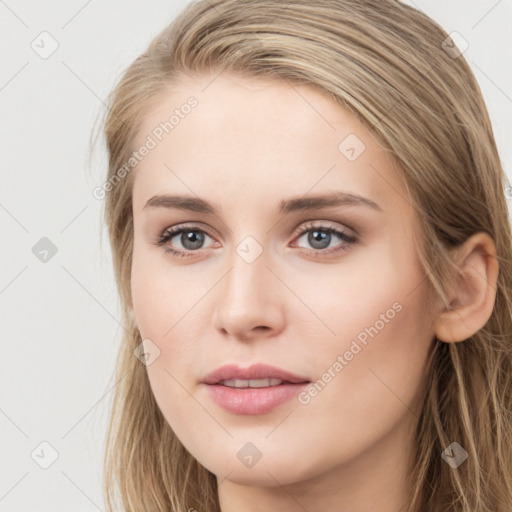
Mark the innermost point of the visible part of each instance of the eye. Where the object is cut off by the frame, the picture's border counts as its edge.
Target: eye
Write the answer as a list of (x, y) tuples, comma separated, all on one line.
[(320, 237), (191, 239)]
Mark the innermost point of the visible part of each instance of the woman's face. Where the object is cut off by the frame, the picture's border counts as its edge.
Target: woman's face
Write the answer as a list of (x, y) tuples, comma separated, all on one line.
[(259, 280)]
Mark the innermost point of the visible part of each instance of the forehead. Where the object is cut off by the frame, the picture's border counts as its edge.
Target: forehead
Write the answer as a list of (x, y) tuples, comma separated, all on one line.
[(250, 140)]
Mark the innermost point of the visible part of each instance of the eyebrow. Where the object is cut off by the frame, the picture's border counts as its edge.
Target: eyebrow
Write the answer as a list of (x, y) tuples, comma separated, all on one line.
[(303, 203)]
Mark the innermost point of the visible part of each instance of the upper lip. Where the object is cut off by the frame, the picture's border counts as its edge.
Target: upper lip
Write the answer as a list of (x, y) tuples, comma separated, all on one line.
[(256, 371)]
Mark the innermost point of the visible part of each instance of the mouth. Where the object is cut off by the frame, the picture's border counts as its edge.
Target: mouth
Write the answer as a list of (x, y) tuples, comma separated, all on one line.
[(255, 390), (252, 383)]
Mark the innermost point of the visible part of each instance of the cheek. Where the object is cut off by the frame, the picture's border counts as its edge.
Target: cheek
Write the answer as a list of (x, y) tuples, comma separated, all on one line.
[(163, 303), (371, 371), (169, 312), (162, 295)]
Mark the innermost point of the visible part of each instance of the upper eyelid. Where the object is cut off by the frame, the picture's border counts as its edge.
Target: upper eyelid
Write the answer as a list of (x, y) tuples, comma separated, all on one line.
[(303, 226)]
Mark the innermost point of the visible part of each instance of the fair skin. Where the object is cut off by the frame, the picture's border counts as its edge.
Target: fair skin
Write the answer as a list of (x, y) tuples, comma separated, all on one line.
[(248, 145)]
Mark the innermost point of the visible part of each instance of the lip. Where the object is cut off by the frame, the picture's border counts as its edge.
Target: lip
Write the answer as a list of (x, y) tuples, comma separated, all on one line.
[(256, 371), (252, 401)]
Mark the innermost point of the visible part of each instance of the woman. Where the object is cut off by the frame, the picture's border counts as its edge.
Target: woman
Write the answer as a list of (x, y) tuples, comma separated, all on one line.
[(310, 238)]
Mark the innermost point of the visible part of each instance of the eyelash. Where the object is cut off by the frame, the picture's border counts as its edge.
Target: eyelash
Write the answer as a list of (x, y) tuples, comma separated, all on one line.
[(170, 233)]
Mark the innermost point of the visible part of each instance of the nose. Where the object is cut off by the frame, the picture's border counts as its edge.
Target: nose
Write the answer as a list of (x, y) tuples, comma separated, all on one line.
[(250, 300)]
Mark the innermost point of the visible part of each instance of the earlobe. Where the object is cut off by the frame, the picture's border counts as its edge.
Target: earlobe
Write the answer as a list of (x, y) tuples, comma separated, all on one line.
[(472, 301)]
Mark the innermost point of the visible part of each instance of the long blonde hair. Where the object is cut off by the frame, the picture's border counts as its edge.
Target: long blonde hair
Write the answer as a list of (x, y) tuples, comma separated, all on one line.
[(391, 65)]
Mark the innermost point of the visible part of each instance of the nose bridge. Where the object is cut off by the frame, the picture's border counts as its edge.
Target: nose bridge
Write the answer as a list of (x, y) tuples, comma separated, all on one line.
[(249, 273), (247, 297)]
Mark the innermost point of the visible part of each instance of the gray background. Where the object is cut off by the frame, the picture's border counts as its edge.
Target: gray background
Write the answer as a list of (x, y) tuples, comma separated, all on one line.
[(59, 327)]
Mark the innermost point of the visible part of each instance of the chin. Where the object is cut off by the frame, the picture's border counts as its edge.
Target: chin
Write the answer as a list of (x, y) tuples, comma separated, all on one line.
[(257, 476), (281, 468)]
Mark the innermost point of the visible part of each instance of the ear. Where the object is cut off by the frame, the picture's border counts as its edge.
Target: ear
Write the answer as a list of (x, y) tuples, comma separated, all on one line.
[(472, 300)]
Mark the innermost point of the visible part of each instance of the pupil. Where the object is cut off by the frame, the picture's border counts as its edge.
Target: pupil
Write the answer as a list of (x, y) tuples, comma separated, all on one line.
[(191, 239), (319, 237)]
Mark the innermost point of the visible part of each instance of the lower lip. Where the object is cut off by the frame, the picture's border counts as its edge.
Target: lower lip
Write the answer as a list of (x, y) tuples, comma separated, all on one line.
[(253, 400)]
